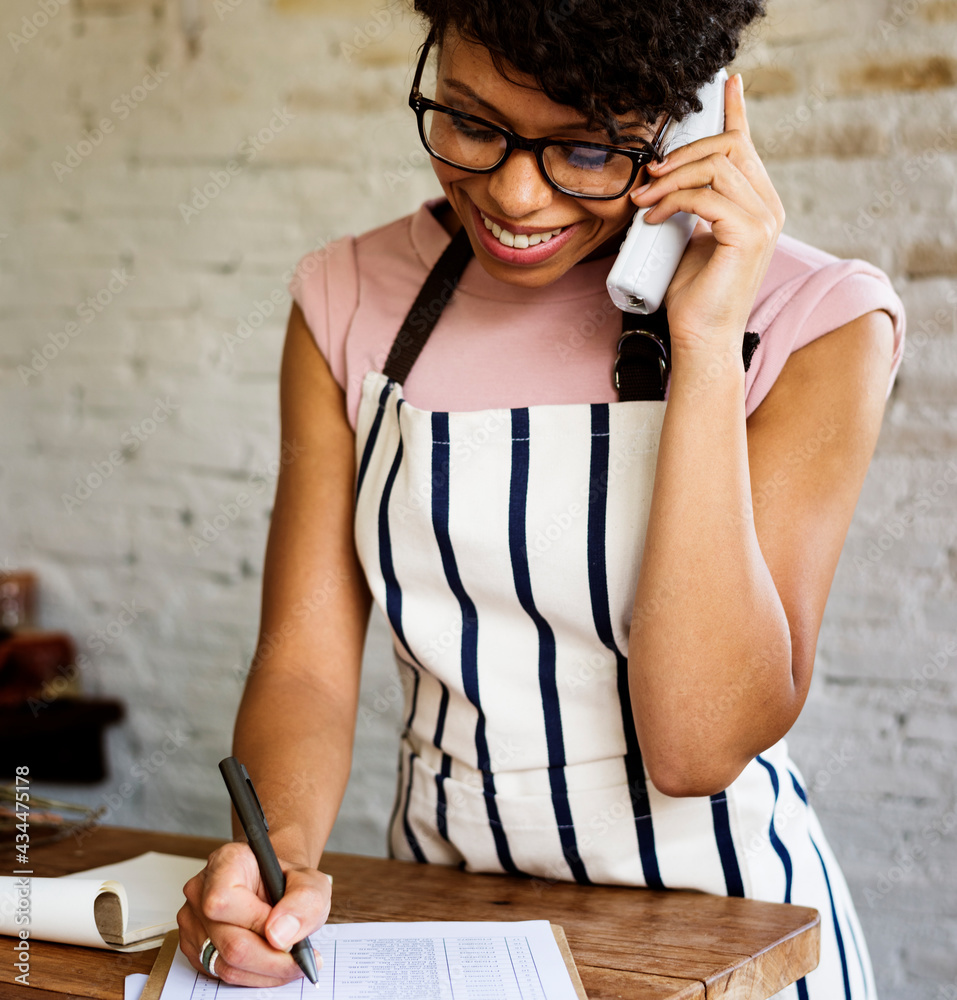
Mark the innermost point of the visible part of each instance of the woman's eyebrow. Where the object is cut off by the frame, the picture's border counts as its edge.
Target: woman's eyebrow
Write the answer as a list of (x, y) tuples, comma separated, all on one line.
[(635, 137), (466, 90)]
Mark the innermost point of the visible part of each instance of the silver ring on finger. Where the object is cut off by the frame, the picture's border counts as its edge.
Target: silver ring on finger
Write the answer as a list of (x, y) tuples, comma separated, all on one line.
[(208, 953)]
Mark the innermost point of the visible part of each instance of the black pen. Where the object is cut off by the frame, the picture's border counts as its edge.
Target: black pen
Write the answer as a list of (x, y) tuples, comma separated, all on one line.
[(251, 815)]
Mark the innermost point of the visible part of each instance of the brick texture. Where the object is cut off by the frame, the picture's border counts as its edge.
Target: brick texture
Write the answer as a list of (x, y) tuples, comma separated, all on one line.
[(165, 163)]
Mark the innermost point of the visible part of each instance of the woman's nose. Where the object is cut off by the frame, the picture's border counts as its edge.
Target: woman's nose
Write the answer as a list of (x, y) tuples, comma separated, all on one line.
[(518, 186)]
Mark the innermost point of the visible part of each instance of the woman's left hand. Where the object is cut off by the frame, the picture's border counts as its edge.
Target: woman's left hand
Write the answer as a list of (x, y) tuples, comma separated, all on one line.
[(722, 180)]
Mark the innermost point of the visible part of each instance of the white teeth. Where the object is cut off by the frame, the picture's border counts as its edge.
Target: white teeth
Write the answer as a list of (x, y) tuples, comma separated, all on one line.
[(521, 240)]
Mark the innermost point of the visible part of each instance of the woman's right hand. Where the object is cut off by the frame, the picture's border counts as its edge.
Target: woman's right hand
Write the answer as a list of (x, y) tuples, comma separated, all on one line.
[(227, 903)]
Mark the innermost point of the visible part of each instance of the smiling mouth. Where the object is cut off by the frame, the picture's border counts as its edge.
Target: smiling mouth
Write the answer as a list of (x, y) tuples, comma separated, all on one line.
[(520, 241)]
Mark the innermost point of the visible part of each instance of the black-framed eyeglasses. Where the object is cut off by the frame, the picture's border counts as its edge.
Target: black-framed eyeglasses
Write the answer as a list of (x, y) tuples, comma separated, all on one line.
[(582, 169)]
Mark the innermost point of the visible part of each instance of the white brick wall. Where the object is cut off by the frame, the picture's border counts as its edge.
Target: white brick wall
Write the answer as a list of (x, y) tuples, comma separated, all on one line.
[(852, 103)]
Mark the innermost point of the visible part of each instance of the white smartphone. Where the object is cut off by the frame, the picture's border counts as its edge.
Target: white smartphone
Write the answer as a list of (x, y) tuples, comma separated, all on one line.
[(650, 255)]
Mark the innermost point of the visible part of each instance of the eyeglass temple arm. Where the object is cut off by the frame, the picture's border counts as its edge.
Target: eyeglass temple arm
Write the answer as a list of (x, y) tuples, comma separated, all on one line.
[(426, 45), (659, 135)]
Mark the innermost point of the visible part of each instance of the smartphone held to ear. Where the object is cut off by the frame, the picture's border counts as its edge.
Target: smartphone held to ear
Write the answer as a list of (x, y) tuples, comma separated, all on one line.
[(650, 254)]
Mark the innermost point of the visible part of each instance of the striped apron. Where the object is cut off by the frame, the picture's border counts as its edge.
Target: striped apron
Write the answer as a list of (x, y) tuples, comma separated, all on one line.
[(503, 547)]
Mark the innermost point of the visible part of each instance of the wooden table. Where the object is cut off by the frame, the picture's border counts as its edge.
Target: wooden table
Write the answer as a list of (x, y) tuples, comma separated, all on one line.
[(633, 944)]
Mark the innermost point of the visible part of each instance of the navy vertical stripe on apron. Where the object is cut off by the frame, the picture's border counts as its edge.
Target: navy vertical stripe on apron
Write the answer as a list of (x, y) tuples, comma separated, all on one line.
[(409, 835), (440, 521), (782, 853), (406, 826), (773, 837), (393, 591), (394, 611), (860, 958), (722, 832), (518, 553), (443, 709), (837, 926), (371, 439), (441, 805), (601, 612), (802, 795)]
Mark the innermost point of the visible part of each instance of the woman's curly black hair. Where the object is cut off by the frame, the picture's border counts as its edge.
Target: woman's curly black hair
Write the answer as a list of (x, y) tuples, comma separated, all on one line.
[(605, 58)]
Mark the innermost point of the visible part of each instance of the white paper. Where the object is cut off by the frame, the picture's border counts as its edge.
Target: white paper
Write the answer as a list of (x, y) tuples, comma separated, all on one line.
[(133, 985), (455, 960)]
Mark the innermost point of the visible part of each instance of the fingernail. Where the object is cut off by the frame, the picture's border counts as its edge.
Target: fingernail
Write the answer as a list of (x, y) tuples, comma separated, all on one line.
[(657, 164), (284, 931), (642, 189)]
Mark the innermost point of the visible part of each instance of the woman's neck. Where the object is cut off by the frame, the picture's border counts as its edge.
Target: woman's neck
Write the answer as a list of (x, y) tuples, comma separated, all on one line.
[(449, 221)]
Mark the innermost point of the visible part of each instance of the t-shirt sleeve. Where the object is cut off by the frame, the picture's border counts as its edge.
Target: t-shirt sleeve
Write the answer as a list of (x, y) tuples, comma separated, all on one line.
[(807, 294), (325, 284)]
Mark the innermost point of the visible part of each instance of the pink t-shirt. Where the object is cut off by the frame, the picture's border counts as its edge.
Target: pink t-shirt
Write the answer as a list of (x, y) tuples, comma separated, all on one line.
[(498, 345)]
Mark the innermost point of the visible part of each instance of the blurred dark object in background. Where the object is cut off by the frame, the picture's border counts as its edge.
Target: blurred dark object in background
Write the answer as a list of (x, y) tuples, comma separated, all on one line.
[(17, 600), (45, 723), (36, 665)]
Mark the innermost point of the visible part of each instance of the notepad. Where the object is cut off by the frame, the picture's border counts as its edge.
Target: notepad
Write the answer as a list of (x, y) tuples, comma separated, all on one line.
[(445, 960), (127, 906)]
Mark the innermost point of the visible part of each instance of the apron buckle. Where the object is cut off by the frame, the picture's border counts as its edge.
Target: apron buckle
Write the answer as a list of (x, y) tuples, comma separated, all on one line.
[(642, 349)]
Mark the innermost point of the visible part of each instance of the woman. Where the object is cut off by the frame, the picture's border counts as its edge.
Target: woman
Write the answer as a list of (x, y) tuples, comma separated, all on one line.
[(605, 609)]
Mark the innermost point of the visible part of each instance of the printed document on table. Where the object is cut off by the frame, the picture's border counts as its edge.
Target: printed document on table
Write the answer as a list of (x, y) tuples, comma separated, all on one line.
[(454, 960)]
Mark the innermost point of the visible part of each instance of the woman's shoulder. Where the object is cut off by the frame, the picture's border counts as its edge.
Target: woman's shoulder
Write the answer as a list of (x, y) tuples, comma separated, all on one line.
[(807, 293), (336, 269), (350, 251), (801, 275), (328, 282)]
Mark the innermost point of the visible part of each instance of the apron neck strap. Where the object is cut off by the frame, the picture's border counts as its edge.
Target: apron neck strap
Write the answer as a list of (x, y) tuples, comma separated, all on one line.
[(433, 296)]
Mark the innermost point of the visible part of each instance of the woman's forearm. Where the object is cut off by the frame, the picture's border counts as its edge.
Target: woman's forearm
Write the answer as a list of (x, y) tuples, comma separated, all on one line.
[(710, 663), (295, 738)]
